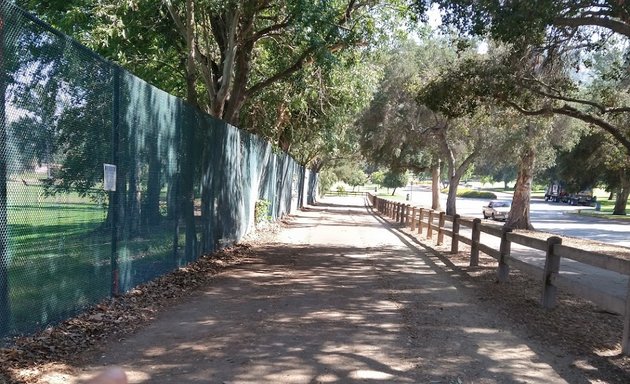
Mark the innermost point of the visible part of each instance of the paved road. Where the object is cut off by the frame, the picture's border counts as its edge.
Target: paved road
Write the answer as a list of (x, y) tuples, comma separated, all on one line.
[(556, 218), (341, 298), (546, 216)]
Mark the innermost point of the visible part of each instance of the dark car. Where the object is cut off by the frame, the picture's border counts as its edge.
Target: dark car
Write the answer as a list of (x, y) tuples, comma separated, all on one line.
[(497, 209)]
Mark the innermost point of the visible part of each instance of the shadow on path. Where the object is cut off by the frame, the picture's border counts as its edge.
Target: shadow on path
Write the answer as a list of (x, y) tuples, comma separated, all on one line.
[(336, 300)]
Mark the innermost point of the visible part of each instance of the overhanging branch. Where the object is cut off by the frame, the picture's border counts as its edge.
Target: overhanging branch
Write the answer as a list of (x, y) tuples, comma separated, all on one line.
[(570, 111), (614, 25)]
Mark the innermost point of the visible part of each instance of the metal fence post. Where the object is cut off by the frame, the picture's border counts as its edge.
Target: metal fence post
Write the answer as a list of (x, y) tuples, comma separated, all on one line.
[(455, 237), (115, 195), (552, 267), (474, 248), (5, 302), (503, 271)]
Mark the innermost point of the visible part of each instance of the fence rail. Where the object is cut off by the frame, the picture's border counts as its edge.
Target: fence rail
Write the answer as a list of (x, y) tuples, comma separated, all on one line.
[(422, 219)]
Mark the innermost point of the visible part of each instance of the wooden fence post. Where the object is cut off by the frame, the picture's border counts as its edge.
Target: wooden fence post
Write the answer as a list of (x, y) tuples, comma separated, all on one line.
[(403, 213), (441, 220), (552, 267), (474, 248), (455, 237), (407, 210), (430, 225), (420, 218), (397, 213), (504, 269), (413, 219)]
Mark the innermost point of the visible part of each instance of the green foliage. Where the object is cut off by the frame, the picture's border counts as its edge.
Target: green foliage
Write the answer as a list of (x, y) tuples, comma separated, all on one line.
[(261, 211), (358, 177), (395, 179), (475, 194), (326, 180), (395, 131), (377, 177)]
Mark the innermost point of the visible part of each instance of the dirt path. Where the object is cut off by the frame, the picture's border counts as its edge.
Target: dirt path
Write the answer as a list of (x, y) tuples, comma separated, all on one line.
[(339, 298)]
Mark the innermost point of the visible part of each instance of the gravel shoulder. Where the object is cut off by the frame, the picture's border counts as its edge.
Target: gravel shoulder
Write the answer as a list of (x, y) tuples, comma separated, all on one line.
[(341, 295)]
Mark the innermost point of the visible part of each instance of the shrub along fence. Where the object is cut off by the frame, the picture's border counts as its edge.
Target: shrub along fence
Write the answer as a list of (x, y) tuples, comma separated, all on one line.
[(107, 182), (435, 225)]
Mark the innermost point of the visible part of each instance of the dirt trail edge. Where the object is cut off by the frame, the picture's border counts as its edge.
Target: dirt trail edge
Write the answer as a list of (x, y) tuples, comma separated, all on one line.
[(340, 297)]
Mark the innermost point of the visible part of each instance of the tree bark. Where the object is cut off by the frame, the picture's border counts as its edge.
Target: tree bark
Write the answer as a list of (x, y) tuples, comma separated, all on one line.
[(435, 185), (519, 217), (622, 194)]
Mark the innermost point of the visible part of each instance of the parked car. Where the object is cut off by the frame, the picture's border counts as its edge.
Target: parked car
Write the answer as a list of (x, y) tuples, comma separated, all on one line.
[(556, 192), (497, 209), (584, 197)]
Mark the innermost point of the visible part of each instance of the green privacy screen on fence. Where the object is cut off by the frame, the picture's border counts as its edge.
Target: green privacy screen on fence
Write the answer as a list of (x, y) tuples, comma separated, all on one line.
[(185, 183)]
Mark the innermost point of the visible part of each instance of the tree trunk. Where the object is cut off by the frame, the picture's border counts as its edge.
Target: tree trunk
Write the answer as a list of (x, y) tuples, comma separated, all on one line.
[(622, 194), (455, 177), (435, 186), (5, 308), (519, 213), (451, 201)]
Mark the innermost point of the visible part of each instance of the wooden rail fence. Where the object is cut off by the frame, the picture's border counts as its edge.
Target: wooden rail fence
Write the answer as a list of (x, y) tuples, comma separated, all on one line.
[(436, 225)]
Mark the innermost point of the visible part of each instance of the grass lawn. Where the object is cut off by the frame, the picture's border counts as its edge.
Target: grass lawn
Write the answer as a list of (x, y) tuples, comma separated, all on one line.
[(59, 255), (606, 210)]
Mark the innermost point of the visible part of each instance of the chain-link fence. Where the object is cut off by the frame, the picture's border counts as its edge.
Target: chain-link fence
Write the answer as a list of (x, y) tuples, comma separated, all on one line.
[(107, 182)]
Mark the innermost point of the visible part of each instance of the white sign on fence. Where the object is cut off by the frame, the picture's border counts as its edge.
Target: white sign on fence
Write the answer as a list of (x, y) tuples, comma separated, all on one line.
[(109, 180)]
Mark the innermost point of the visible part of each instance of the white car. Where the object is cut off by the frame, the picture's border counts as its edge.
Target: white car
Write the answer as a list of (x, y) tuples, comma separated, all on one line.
[(497, 209)]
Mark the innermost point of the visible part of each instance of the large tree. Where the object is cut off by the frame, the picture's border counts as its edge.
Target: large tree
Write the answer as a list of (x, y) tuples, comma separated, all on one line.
[(311, 117), (400, 131), (483, 79), (546, 36)]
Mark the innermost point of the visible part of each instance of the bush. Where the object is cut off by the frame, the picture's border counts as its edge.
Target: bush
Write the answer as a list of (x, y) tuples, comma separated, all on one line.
[(475, 194)]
